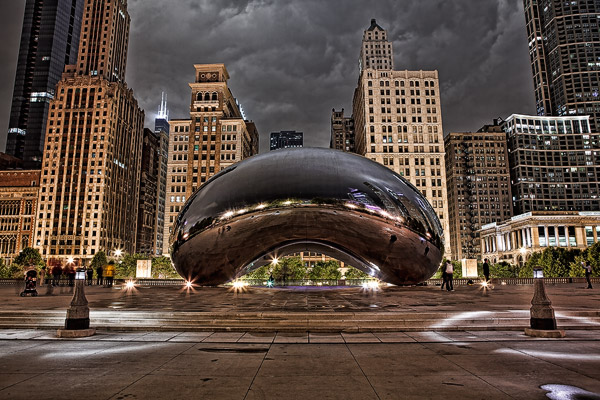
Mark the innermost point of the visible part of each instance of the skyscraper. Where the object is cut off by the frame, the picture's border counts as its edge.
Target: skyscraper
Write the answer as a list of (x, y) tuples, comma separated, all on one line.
[(376, 51), (478, 181), (286, 139), (564, 48), (92, 154), (554, 163), (214, 137), (48, 42), (398, 122), (342, 132), (162, 129), (148, 193)]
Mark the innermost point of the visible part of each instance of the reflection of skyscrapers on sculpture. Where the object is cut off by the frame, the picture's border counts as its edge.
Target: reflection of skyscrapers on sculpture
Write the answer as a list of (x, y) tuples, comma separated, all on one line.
[(398, 121), (214, 137), (92, 155), (48, 42)]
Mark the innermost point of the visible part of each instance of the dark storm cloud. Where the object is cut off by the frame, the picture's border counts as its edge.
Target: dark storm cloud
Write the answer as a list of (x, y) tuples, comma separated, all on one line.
[(291, 62)]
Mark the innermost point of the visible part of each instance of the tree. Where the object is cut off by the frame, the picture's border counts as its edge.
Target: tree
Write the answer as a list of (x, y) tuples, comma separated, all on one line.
[(354, 273), (290, 268), (10, 271), (555, 262), (163, 268), (260, 273), (325, 270), (99, 260), (126, 267), (504, 270), (29, 257)]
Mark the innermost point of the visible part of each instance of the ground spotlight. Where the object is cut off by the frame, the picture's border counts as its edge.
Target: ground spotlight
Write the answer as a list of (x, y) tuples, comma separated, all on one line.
[(188, 284), (130, 284)]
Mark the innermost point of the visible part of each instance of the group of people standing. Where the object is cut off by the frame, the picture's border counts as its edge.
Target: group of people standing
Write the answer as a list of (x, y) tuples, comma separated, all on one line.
[(104, 275), (448, 276)]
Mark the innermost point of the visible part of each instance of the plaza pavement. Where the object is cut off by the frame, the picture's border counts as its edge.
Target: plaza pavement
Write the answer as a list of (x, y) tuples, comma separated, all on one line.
[(304, 309), (442, 361), (225, 365)]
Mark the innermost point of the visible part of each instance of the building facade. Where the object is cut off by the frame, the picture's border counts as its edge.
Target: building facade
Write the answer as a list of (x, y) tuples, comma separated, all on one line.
[(564, 48), (148, 193), (554, 163), (398, 123), (18, 203), (516, 239), (342, 132), (478, 181), (92, 153), (162, 129), (214, 137), (286, 140), (376, 51), (49, 41)]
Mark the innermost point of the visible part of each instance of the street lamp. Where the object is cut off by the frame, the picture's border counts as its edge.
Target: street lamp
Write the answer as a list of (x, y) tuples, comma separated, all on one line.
[(77, 323), (538, 273), (118, 253)]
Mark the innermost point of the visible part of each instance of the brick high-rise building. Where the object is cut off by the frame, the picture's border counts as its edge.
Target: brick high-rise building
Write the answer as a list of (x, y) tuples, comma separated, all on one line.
[(554, 163), (398, 123), (478, 181), (376, 51), (215, 137), (18, 204), (48, 42), (92, 152), (342, 132), (564, 48)]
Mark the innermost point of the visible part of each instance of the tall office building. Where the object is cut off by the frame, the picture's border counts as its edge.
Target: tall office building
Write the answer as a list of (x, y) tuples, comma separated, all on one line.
[(162, 129), (214, 137), (554, 163), (147, 223), (376, 51), (48, 42), (398, 123), (478, 181), (342, 132), (92, 154), (286, 140), (564, 48)]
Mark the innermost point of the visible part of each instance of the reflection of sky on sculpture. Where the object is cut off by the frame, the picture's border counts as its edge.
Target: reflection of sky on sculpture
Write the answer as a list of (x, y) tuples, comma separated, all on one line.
[(314, 186)]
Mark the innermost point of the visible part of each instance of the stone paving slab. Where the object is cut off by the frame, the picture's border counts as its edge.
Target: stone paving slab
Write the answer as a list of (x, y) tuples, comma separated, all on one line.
[(465, 365)]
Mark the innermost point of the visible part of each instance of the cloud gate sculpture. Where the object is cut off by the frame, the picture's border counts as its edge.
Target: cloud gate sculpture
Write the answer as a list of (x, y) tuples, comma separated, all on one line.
[(307, 199)]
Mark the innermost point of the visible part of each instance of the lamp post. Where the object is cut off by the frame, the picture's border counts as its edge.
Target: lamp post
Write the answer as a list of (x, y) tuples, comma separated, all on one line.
[(77, 323), (543, 321)]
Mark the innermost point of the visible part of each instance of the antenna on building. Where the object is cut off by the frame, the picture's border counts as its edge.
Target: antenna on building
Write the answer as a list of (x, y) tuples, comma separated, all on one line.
[(163, 112)]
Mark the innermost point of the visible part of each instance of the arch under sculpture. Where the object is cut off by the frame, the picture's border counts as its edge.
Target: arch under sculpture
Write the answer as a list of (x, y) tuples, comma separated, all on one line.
[(307, 199)]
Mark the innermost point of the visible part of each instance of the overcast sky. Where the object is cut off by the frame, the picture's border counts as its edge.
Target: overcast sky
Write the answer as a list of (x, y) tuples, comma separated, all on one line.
[(291, 62)]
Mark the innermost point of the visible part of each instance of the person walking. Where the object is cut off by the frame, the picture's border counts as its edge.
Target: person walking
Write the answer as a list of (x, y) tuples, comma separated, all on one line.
[(486, 270), (444, 279), (71, 275), (90, 275), (588, 274), (42, 276), (99, 272), (109, 273), (449, 276), (56, 273)]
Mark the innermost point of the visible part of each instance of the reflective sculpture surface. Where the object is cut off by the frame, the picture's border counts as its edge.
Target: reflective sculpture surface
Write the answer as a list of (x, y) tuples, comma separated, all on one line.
[(307, 199)]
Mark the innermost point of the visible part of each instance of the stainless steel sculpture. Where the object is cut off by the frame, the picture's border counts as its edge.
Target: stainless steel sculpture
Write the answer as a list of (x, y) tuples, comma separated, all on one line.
[(307, 199)]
